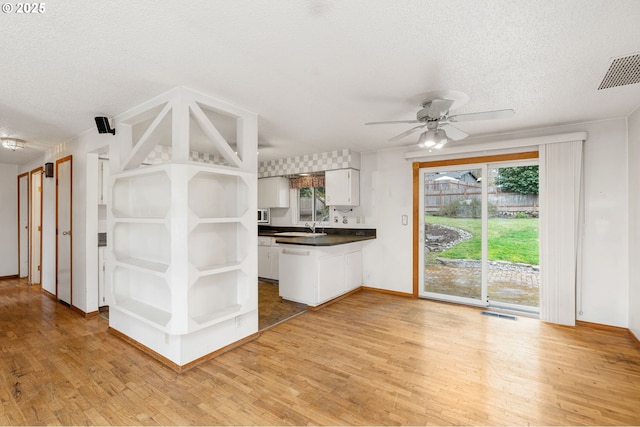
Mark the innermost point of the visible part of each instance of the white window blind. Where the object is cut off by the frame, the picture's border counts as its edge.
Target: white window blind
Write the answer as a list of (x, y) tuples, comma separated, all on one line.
[(560, 230)]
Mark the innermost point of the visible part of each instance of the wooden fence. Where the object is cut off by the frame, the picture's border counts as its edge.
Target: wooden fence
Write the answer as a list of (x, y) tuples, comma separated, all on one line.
[(440, 194)]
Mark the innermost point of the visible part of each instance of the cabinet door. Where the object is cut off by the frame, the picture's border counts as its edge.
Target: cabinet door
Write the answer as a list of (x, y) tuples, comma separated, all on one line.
[(330, 277), (353, 270), (274, 260), (273, 192), (264, 263), (342, 187)]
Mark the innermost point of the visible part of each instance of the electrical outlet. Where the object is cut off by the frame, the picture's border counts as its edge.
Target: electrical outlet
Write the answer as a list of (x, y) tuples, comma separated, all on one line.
[(345, 220), (335, 219), (357, 220), (239, 321)]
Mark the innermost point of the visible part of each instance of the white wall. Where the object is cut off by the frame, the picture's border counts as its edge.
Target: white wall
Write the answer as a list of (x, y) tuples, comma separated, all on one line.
[(634, 222), (9, 220), (387, 260), (605, 266)]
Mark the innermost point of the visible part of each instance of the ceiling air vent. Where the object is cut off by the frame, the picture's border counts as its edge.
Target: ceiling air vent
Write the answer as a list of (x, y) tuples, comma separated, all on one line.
[(624, 70)]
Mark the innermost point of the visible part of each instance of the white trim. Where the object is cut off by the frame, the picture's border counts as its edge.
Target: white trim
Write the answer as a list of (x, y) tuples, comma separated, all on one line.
[(533, 143)]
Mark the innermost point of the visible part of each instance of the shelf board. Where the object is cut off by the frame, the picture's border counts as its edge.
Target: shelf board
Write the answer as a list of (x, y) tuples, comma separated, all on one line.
[(147, 313), (218, 315), (139, 220), (220, 220), (142, 265), (218, 268)]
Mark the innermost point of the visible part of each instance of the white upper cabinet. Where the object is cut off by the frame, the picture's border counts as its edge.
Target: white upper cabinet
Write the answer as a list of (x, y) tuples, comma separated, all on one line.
[(342, 187), (273, 192)]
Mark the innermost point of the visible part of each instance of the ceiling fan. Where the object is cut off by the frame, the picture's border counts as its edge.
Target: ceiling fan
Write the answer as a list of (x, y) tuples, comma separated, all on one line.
[(434, 116)]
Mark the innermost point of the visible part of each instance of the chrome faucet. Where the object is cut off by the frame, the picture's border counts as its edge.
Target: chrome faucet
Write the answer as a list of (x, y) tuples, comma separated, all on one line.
[(312, 226)]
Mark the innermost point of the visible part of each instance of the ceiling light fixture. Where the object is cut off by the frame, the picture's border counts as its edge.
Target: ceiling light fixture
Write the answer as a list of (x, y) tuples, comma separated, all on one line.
[(433, 138), (13, 144)]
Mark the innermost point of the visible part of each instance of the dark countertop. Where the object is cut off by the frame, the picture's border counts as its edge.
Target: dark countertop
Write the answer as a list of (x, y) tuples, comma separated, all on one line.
[(334, 236), (327, 240)]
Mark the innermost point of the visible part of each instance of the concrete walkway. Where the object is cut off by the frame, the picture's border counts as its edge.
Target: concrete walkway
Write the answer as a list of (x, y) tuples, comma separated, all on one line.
[(511, 283)]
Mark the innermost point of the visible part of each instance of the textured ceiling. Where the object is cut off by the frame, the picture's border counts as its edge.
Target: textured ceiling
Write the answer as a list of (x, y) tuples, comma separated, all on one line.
[(316, 70)]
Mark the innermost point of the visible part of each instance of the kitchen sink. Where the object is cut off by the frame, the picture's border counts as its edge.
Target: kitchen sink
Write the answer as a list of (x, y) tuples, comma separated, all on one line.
[(298, 234)]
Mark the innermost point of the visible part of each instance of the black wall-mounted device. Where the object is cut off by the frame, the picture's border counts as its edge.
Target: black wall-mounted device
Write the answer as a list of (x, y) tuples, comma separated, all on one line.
[(102, 123), (48, 170)]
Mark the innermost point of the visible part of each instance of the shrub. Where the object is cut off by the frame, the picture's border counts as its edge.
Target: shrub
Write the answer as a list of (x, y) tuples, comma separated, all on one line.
[(469, 208)]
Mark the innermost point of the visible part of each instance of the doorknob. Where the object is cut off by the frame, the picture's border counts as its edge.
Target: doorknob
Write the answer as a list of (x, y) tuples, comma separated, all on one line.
[(66, 233)]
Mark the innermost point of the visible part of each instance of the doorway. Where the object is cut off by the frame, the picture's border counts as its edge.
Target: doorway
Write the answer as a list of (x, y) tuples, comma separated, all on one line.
[(35, 228), (478, 238), (23, 225), (63, 230)]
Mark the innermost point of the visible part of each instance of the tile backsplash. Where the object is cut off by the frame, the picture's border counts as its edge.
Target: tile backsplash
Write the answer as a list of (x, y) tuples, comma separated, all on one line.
[(308, 163)]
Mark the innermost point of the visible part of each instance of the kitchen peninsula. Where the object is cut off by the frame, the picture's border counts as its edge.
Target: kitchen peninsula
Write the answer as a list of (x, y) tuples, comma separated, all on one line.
[(316, 268)]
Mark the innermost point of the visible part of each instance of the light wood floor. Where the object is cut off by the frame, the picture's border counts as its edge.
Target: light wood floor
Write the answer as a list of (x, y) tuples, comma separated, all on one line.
[(369, 359), (272, 309)]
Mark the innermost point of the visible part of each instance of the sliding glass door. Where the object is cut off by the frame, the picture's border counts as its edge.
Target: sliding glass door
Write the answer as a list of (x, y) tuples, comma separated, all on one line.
[(513, 237), (452, 234), (479, 234)]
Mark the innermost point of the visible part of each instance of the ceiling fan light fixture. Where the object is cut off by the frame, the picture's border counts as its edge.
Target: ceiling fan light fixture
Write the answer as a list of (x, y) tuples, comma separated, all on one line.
[(427, 139), (432, 138), (13, 144), (441, 139)]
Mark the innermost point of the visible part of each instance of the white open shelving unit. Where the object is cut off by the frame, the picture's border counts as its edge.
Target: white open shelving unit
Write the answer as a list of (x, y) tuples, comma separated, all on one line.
[(184, 235)]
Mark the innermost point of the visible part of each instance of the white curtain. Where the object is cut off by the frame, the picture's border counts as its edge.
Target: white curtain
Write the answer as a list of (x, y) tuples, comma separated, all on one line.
[(560, 230)]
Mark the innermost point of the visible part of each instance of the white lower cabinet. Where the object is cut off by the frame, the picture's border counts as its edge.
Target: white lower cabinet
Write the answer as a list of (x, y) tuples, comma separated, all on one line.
[(268, 250), (314, 275), (264, 263), (274, 261)]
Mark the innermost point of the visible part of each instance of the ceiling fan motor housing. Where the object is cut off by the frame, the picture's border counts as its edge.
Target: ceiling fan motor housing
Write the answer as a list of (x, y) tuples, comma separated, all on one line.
[(424, 117)]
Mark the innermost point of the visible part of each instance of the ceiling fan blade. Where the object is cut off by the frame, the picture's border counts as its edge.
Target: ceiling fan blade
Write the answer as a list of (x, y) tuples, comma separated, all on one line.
[(392, 121), (453, 132), (409, 132), (485, 115), (439, 107)]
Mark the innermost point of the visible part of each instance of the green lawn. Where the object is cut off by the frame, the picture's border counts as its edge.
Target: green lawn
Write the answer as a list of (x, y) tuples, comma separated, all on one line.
[(512, 239)]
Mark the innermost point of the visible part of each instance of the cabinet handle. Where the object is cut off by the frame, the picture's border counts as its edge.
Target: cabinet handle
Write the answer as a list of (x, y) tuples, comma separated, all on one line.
[(301, 253)]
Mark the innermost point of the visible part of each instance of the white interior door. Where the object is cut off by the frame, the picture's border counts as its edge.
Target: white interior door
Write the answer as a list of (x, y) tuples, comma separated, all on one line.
[(36, 227), (23, 225), (63, 230)]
